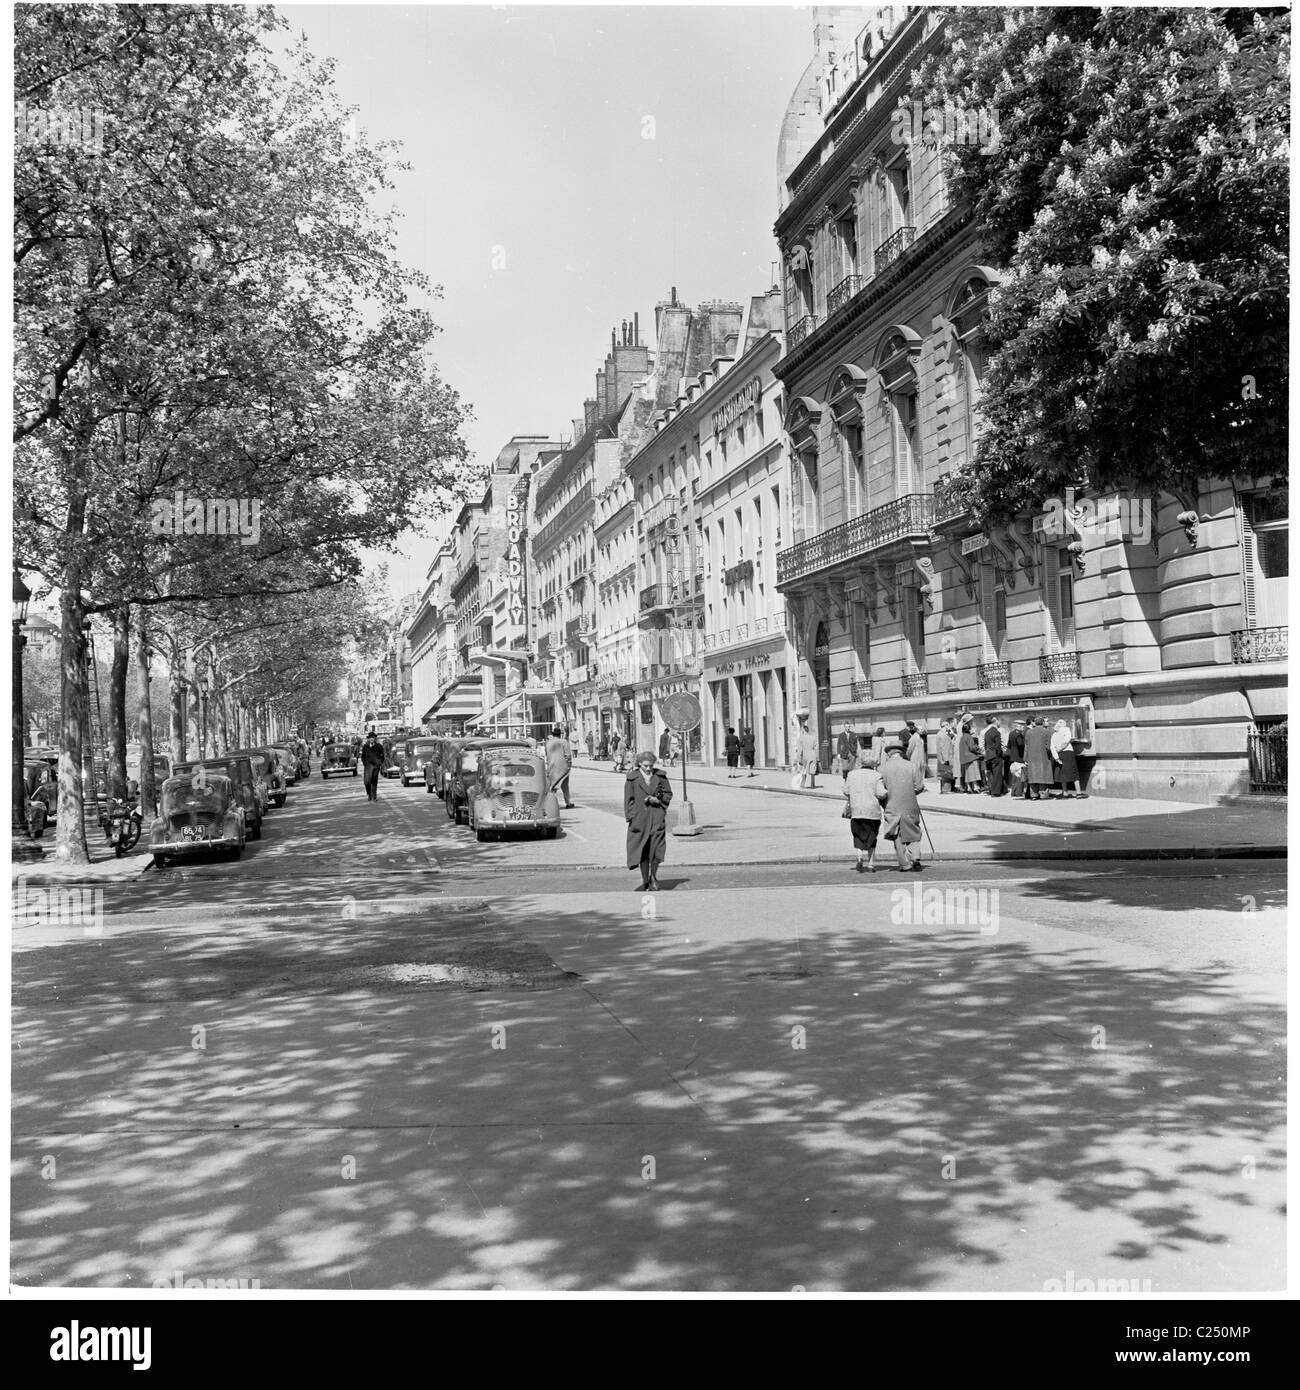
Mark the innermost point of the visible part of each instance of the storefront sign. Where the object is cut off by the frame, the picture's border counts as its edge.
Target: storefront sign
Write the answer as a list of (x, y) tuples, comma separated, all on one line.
[(743, 400)]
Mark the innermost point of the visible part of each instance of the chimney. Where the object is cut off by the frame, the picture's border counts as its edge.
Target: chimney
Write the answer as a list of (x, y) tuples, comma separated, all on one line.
[(674, 296), (636, 329), (624, 332), (590, 408)]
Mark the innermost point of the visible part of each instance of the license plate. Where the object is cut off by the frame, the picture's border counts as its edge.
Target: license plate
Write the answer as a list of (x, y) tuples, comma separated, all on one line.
[(195, 832), (520, 813)]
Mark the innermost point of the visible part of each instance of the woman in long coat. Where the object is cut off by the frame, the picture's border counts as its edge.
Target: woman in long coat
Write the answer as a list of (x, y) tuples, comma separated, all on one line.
[(1038, 759), (646, 795), (1067, 765), (970, 759)]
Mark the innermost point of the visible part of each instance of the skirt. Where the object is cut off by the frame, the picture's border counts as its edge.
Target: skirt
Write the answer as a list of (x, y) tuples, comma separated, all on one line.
[(864, 833), (733, 759), (1067, 770)]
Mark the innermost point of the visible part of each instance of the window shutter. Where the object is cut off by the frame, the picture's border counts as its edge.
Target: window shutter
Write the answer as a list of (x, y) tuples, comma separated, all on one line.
[(1051, 581), (987, 580), (1247, 564)]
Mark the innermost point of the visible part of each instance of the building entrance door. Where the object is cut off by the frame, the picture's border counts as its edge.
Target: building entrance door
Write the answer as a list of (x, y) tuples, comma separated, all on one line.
[(821, 666)]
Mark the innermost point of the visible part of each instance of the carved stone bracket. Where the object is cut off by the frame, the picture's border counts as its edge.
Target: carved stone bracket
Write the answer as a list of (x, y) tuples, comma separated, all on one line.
[(924, 566), (1020, 534), (838, 601), (869, 582), (889, 586), (1188, 518), (998, 542), (797, 607)]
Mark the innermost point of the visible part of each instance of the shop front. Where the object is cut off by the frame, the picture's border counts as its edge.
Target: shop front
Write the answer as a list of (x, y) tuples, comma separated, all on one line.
[(748, 689)]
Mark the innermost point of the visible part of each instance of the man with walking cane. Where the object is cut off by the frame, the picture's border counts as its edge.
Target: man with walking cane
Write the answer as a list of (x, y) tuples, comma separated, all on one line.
[(902, 818)]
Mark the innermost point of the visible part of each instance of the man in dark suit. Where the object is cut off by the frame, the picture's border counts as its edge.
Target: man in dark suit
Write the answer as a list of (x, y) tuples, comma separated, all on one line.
[(373, 761), (992, 756), (646, 795)]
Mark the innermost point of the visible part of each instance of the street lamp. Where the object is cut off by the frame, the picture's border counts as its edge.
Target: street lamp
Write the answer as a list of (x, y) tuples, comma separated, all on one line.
[(22, 596), (202, 684)]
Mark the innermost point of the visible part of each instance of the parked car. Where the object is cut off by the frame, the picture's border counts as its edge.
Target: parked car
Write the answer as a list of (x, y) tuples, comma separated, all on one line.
[(288, 759), (40, 796), (241, 772), (438, 765), (197, 816), (512, 793), (277, 786), (458, 786), (415, 753), (393, 755), (337, 757)]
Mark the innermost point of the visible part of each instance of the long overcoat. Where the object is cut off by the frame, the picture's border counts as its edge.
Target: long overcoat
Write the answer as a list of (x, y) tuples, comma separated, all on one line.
[(646, 825), (902, 779), (1038, 763)]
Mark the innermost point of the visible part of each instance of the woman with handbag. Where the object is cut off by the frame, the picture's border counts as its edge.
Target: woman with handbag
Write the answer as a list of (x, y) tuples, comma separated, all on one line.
[(863, 794)]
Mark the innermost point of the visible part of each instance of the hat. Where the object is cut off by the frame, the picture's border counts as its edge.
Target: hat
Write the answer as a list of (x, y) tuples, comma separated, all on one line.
[(893, 746)]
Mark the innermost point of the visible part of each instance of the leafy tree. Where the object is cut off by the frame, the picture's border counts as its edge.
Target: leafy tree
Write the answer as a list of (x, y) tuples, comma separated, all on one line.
[(1137, 197)]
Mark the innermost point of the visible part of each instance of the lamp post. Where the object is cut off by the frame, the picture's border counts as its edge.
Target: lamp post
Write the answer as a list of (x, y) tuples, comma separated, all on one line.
[(22, 596), (203, 716)]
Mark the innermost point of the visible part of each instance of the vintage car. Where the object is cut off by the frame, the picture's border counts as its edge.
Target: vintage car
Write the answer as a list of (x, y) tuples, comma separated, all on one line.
[(40, 796), (393, 755), (337, 757), (247, 791), (438, 764), (197, 815), (277, 786), (459, 783), (288, 759), (416, 752), (512, 793)]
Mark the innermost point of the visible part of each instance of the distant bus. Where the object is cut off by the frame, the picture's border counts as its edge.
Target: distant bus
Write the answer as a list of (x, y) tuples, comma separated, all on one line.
[(383, 723)]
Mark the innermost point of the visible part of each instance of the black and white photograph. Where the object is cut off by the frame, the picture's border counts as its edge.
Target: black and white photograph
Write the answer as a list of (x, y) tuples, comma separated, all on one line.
[(650, 656)]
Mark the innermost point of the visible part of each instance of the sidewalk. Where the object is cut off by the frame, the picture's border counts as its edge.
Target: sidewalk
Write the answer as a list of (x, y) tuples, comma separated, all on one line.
[(1150, 828)]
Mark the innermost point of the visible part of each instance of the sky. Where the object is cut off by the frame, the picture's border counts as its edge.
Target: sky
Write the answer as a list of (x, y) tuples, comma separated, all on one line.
[(569, 166)]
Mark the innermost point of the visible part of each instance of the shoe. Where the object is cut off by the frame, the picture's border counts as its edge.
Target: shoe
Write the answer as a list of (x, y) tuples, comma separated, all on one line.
[(857, 868), (915, 866), (568, 805), (644, 888), (654, 885)]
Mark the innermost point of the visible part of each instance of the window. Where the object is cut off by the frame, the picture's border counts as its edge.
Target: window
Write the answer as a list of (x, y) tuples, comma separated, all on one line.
[(969, 312), (846, 226), (1058, 581), (898, 377), (1265, 531)]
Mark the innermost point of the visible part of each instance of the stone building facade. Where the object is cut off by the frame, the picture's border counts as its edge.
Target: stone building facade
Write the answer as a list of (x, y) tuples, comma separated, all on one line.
[(1156, 628)]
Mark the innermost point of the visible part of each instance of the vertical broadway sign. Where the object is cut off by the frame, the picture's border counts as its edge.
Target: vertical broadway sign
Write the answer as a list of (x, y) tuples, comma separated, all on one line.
[(515, 559)]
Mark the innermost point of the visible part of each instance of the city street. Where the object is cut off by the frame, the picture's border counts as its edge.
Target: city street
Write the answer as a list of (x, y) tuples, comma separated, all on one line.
[(377, 1054)]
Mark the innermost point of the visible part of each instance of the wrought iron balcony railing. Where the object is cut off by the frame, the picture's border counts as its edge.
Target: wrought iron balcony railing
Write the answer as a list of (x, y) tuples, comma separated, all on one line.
[(1060, 666), (918, 683), (800, 330), (993, 675), (842, 293), (893, 247), (952, 495), (1259, 644), (860, 691), (909, 516)]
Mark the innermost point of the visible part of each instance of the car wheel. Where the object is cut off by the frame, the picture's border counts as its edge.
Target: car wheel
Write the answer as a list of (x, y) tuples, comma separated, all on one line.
[(450, 808), (354, 772), (480, 834), (256, 832), (552, 831), (280, 800), (160, 861), (428, 786)]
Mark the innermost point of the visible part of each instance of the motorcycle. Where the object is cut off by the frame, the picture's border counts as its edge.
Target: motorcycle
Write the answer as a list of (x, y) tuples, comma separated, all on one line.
[(122, 824)]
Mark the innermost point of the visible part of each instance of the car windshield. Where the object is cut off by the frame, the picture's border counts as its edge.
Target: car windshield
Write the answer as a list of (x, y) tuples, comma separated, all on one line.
[(502, 769), (187, 796), (422, 748)]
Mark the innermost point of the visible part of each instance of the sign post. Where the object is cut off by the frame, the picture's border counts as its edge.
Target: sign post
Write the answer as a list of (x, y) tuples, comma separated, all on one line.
[(681, 713)]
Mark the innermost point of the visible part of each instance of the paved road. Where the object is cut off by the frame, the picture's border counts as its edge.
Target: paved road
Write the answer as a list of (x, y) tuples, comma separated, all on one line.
[(376, 1054)]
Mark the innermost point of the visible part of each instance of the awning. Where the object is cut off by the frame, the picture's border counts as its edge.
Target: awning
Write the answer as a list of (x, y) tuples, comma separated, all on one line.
[(463, 698)]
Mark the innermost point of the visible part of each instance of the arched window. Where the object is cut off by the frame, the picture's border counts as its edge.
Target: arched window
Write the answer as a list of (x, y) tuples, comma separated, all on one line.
[(845, 402), (802, 422), (896, 363), (969, 311)]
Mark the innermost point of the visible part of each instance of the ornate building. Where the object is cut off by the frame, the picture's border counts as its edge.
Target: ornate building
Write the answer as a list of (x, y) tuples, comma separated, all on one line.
[(1159, 636)]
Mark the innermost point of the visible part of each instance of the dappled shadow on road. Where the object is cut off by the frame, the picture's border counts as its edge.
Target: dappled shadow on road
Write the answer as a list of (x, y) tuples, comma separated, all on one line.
[(869, 1110)]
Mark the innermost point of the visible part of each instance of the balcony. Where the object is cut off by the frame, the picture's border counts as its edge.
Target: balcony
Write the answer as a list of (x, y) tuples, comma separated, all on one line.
[(906, 518), (739, 572), (799, 331), (544, 644), (1258, 644), (918, 683), (893, 247), (952, 494), (993, 675), (724, 637), (850, 286), (1060, 666), (860, 692), (579, 627)]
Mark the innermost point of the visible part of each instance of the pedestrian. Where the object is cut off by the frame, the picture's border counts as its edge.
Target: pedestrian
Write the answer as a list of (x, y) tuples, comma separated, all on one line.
[(843, 759), (1004, 730), (915, 746), (575, 743), (646, 795), (591, 745), (992, 752), (1066, 764), (807, 755), (559, 763), (1016, 760), (970, 759), (731, 746), (863, 794), (878, 742), (1038, 759), (666, 747), (747, 749), (947, 750), (902, 812), (373, 759)]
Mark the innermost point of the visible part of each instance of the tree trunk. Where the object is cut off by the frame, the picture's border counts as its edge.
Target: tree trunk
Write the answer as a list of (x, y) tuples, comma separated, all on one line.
[(176, 710), (148, 785), (70, 837), (116, 733)]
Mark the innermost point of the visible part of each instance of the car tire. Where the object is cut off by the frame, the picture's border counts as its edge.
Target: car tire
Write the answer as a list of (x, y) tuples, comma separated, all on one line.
[(552, 831), (256, 832), (354, 772), (160, 861), (279, 800), (449, 807), (480, 835), (428, 786)]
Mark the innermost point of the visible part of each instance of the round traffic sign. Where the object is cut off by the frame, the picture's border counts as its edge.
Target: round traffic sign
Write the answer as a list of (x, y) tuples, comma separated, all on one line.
[(681, 712)]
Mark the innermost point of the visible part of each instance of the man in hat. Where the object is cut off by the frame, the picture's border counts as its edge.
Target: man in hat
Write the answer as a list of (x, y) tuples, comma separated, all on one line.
[(373, 759), (559, 764), (902, 818), (992, 756), (1015, 757)]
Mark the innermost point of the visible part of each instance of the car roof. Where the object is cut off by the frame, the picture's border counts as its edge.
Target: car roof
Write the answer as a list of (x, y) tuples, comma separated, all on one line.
[(187, 780)]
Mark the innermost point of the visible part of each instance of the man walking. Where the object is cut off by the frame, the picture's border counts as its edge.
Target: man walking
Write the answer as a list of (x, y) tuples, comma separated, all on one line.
[(559, 763), (372, 765), (947, 755), (902, 818), (646, 795)]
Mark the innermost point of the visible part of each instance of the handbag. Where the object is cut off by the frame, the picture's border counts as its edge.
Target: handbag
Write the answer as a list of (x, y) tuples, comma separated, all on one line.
[(847, 812)]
